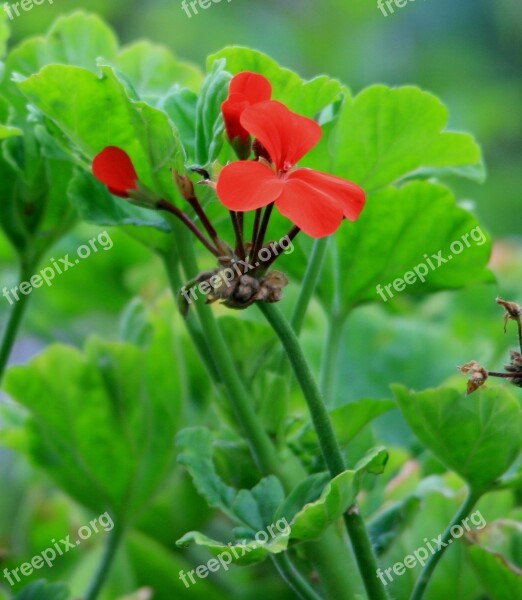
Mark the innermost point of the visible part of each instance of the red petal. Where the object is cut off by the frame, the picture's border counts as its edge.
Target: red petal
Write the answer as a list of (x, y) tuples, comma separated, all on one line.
[(350, 197), (254, 87), (247, 185), (286, 135), (312, 210), (113, 167), (232, 110)]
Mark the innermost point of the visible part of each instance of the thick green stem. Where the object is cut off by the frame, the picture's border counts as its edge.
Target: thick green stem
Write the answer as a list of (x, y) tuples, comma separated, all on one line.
[(429, 567), (293, 578), (113, 543), (13, 324), (320, 417), (329, 446)]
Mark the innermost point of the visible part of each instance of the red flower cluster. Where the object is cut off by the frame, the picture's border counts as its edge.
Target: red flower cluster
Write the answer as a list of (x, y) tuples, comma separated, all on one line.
[(316, 202)]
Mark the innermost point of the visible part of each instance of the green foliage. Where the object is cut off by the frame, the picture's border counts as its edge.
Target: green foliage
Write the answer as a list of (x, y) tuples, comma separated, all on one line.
[(502, 580), (41, 590), (101, 422), (475, 436), (385, 135), (307, 512), (100, 425)]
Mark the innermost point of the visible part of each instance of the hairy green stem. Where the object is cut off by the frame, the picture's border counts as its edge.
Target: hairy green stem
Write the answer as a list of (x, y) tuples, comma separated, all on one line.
[(111, 549), (425, 576), (329, 446), (12, 327)]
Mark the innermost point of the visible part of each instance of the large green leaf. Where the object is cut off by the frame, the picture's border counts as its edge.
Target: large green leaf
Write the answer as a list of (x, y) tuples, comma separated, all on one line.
[(476, 436), (143, 131), (102, 423), (76, 39), (398, 239), (305, 97), (384, 135)]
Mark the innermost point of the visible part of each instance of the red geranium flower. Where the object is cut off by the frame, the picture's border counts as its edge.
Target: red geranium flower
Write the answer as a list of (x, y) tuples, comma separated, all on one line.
[(246, 89), (316, 202), (113, 167)]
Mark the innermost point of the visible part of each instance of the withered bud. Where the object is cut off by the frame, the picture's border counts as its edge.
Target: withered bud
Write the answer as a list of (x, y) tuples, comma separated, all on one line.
[(515, 367), (185, 186), (478, 375), (513, 311)]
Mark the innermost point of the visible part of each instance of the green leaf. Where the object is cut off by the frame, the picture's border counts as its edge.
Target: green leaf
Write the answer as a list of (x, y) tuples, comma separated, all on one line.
[(209, 122), (35, 211), (76, 39), (476, 436), (180, 105), (107, 117), (195, 446), (80, 39), (401, 230), (96, 205), (153, 70), (102, 423), (305, 97), (385, 135), (316, 515), (502, 580), (242, 554), (386, 527), (41, 590)]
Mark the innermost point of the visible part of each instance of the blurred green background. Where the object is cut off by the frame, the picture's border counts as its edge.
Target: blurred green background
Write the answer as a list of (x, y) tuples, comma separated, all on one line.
[(469, 53)]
